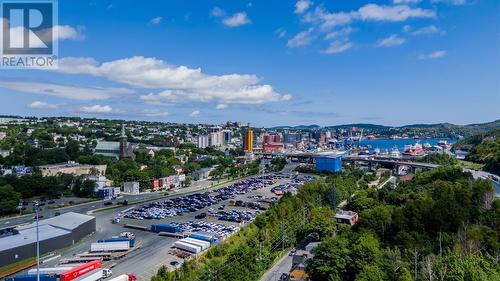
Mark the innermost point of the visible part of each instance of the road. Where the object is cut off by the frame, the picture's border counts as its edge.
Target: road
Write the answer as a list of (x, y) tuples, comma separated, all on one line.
[(282, 266)]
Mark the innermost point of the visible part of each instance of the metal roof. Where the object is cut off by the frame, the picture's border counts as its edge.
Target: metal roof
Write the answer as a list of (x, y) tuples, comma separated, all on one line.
[(67, 221), (28, 236), (108, 145)]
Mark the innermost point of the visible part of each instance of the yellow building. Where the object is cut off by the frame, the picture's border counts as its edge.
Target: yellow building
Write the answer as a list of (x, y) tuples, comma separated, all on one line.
[(248, 141)]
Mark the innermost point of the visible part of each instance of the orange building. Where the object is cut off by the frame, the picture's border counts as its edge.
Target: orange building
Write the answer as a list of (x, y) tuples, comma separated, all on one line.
[(248, 141)]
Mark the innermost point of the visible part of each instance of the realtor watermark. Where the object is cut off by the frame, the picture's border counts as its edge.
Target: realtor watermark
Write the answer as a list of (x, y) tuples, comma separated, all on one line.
[(28, 34)]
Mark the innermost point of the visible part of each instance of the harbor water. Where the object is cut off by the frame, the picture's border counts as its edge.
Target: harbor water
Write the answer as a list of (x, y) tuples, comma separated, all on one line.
[(388, 144)]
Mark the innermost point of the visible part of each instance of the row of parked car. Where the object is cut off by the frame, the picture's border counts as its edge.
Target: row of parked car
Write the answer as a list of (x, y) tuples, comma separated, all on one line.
[(233, 215), (191, 203)]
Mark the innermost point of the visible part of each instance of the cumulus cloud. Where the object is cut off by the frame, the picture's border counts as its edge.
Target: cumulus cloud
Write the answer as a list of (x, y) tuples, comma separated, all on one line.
[(393, 40), (368, 12), (155, 21), (99, 109), (302, 5), (64, 91), (237, 19), (57, 33), (301, 39), (221, 106), (154, 113), (339, 33), (286, 97), (431, 29), (179, 83), (195, 113), (397, 2), (217, 12), (338, 46), (42, 105), (433, 55)]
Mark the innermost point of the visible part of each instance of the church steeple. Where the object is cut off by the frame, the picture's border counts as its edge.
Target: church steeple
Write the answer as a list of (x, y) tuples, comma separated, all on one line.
[(123, 142)]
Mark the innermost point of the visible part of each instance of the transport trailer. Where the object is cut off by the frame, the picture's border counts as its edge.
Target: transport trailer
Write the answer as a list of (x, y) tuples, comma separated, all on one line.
[(33, 277), (118, 239), (187, 247), (110, 246), (94, 275), (124, 277), (81, 270), (203, 244), (165, 228), (51, 270)]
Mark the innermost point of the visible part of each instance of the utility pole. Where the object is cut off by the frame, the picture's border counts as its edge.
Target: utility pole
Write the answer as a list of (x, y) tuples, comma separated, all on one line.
[(35, 205), (282, 235)]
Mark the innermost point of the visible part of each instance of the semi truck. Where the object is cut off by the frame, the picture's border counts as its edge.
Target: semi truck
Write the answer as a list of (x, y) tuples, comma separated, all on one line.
[(110, 246), (50, 270), (203, 244), (117, 239), (94, 275), (124, 277)]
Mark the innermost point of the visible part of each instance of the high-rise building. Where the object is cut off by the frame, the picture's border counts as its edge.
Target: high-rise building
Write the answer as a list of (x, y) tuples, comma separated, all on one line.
[(292, 137), (227, 136), (248, 141), (216, 139), (203, 141)]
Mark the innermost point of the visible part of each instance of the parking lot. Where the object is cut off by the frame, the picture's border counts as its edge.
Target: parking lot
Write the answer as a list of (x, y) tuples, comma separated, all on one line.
[(222, 211)]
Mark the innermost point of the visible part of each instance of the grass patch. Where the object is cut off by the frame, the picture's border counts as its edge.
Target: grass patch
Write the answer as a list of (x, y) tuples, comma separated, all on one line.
[(471, 165), (16, 267)]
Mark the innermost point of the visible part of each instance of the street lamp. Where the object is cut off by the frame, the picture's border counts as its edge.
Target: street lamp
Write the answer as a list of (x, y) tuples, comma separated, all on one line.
[(36, 207)]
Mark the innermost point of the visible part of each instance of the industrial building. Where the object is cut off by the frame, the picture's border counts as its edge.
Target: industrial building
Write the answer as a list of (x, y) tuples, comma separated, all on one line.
[(54, 233), (331, 161), (72, 168)]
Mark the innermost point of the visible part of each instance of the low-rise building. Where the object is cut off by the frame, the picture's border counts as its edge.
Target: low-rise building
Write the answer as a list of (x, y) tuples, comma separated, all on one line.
[(131, 187), (73, 168), (346, 217)]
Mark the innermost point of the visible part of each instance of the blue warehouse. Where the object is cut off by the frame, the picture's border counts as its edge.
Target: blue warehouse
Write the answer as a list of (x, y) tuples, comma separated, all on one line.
[(331, 162)]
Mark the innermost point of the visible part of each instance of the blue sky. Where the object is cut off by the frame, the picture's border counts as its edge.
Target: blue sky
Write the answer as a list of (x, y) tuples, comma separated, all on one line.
[(272, 62)]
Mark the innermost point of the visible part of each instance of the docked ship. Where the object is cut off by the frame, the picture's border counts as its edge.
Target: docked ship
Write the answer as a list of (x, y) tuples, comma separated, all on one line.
[(395, 153), (414, 150), (443, 144)]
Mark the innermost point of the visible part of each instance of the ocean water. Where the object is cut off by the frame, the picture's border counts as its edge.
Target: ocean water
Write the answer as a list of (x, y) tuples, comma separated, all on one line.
[(388, 144)]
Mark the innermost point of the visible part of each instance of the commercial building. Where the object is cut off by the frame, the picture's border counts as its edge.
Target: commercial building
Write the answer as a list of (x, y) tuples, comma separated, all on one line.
[(292, 137), (72, 168), (272, 143), (216, 139), (248, 140), (331, 162), (54, 233), (131, 187), (228, 135)]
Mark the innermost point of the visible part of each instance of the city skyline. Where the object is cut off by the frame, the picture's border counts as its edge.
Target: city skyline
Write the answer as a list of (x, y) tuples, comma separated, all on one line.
[(275, 63)]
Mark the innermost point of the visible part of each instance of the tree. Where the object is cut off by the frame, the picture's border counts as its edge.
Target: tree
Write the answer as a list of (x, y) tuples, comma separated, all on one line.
[(366, 251), (322, 221), (331, 258), (9, 199)]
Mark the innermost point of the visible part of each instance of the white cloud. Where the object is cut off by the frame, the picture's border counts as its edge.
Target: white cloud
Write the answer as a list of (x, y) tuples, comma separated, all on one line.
[(155, 21), (406, 28), (64, 91), (221, 106), (99, 109), (301, 39), (391, 41), (397, 2), (302, 5), (238, 19), (217, 12), (339, 46), (42, 105), (154, 113), (194, 113), (58, 33), (451, 2), (433, 55), (431, 29), (286, 97), (368, 12), (281, 32), (179, 83), (393, 13), (66, 32), (339, 34)]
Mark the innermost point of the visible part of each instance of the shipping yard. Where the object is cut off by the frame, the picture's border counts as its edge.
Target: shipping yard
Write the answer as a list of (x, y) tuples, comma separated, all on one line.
[(135, 241)]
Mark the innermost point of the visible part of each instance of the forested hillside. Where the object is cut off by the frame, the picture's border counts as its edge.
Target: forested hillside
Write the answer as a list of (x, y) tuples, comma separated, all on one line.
[(442, 225), (484, 149)]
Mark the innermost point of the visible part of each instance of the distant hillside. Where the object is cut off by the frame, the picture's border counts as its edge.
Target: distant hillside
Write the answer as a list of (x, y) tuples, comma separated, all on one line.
[(360, 126), (299, 127)]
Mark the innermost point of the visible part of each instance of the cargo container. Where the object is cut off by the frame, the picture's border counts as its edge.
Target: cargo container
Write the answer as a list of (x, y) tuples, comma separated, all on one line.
[(51, 270), (124, 277), (94, 275), (33, 277), (187, 247), (81, 270), (205, 237), (165, 228), (110, 246), (203, 244), (117, 239)]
